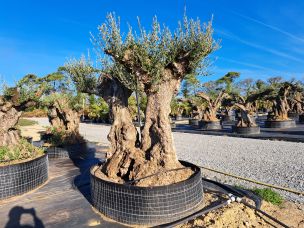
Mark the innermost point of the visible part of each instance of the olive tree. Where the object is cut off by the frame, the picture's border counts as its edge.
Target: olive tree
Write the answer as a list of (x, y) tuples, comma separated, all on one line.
[(14, 101), (155, 62)]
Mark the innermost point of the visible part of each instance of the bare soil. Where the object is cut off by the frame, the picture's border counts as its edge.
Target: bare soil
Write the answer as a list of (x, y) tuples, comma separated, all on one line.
[(32, 131), (160, 179), (238, 215)]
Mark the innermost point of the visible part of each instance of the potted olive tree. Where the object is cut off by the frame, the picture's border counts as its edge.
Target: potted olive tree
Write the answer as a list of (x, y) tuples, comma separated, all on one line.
[(246, 122), (198, 107), (63, 137), (23, 166), (227, 83), (210, 120), (155, 62), (278, 96)]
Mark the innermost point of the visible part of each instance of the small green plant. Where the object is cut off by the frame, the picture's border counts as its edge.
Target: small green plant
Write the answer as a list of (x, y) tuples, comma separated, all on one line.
[(266, 194), (269, 195), (23, 150), (26, 122)]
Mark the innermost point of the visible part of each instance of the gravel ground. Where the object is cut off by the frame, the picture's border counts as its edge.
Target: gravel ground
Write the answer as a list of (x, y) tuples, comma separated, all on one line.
[(274, 162)]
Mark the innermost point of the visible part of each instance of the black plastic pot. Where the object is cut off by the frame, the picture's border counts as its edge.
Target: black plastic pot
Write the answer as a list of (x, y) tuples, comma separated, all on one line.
[(293, 115), (147, 205), (229, 118), (194, 122), (20, 178), (210, 125), (246, 130), (301, 119), (67, 151), (280, 124), (46, 136)]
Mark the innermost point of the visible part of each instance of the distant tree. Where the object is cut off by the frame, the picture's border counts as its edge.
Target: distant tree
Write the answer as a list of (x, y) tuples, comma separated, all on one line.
[(226, 82), (212, 104), (63, 108)]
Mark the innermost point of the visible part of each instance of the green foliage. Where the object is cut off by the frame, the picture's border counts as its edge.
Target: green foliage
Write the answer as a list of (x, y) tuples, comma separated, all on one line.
[(23, 150), (266, 194), (82, 72), (269, 195), (98, 108), (227, 81), (179, 107), (26, 122), (190, 85), (57, 138), (146, 54), (132, 104)]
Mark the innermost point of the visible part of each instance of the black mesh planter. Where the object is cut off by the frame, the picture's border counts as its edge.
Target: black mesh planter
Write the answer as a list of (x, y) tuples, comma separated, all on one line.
[(194, 122), (293, 115), (246, 130), (147, 205), (301, 119), (67, 151), (228, 118), (20, 178), (210, 125), (280, 124)]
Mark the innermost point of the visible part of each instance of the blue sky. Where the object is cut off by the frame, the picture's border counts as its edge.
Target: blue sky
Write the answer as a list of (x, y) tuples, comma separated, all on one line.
[(258, 38)]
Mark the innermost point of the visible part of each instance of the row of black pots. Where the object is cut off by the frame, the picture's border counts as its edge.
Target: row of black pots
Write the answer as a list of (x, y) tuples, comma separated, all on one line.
[(216, 125)]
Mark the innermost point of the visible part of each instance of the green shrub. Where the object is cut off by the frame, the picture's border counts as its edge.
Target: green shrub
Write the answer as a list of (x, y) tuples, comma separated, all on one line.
[(266, 194), (23, 150), (26, 122), (269, 195)]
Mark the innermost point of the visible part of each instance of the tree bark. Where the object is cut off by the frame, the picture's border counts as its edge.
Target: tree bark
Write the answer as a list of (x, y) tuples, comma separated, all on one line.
[(212, 105), (157, 141), (61, 117), (9, 117), (246, 119)]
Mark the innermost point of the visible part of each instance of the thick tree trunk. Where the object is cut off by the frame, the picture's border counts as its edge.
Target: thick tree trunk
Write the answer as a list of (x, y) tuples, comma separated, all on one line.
[(210, 114), (157, 140), (63, 118), (130, 159), (9, 117), (280, 109), (246, 119), (125, 157)]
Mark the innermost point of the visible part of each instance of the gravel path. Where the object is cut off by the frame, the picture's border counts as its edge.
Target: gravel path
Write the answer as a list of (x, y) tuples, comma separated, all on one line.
[(274, 162)]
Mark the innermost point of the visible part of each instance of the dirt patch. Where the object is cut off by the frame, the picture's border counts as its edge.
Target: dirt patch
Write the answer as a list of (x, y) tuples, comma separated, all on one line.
[(239, 215), (32, 131)]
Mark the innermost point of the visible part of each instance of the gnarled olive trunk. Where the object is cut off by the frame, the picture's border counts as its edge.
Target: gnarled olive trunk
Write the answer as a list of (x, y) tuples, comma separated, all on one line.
[(280, 108), (157, 141), (125, 156), (66, 119), (9, 117), (132, 160), (246, 119), (212, 105)]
